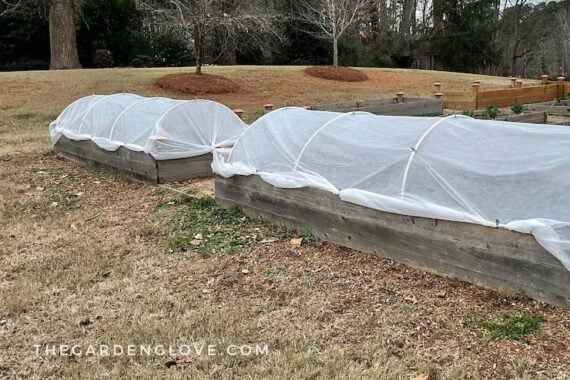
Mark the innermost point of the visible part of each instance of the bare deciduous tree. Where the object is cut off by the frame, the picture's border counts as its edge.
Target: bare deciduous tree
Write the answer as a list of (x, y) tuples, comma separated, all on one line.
[(198, 18), (332, 18), (9, 6)]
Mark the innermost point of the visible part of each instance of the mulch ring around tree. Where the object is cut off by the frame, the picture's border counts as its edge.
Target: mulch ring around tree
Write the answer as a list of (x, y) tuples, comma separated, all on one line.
[(343, 74), (197, 84)]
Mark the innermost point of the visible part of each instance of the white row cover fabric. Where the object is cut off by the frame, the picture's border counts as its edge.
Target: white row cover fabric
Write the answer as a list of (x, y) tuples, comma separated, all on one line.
[(164, 128), (513, 175)]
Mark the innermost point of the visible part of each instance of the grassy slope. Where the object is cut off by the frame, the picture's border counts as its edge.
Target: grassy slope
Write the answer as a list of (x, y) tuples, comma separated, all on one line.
[(84, 260)]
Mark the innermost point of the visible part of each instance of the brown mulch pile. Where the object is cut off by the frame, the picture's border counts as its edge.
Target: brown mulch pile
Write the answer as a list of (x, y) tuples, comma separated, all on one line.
[(197, 84), (343, 74)]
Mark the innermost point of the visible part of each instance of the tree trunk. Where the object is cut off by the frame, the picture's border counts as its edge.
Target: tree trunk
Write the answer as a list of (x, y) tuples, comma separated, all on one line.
[(62, 35), (437, 14), (335, 51), (199, 48), (406, 20)]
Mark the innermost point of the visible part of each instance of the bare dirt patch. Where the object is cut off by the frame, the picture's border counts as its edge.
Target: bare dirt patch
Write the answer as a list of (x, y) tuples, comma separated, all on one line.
[(197, 84), (342, 74)]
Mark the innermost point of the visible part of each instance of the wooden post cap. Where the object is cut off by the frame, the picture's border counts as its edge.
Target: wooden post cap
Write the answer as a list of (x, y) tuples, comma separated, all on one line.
[(561, 79), (308, 107), (476, 86), (268, 107), (400, 96), (438, 95), (544, 78), (238, 111), (477, 81)]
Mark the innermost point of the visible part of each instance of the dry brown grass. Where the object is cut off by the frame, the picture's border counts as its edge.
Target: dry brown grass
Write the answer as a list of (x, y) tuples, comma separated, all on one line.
[(84, 260)]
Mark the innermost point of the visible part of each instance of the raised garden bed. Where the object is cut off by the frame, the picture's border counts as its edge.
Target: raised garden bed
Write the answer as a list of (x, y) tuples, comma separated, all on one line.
[(561, 108), (533, 117), (137, 165), (152, 139), (491, 257), (395, 107)]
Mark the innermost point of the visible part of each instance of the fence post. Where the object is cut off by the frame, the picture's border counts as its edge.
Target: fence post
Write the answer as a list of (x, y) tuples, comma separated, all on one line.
[(268, 107), (561, 87), (519, 83), (513, 82), (239, 113), (400, 97), (438, 95), (437, 87), (476, 93), (544, 79)]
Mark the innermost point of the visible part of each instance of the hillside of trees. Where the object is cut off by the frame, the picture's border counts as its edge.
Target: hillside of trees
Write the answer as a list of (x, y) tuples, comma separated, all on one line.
[(514, 37)]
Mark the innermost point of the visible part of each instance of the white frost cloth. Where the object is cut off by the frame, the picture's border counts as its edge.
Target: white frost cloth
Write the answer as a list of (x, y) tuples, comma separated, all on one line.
[(164, 128), (456, 168)]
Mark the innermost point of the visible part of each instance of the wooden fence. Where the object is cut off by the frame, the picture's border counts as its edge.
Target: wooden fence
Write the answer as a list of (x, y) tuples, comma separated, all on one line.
[(480, 99)]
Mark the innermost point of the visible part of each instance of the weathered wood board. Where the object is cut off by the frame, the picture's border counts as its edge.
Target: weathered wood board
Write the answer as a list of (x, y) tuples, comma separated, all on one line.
[(550, 108), (531, 117), (389, 107), (137, 165), (184, 168), (490, 257)]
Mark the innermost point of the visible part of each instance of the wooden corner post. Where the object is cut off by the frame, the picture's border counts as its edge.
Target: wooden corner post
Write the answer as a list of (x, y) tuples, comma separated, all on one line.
[(400, 97), (437, 87), (476, 94), (561, 87)]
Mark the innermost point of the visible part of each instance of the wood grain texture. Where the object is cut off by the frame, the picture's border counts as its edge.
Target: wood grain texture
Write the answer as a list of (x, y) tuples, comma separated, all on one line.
[(410, 107), (469, 100), (137, 165), (531, 117), (459, 100), (550, 109), (490, 257), (524, 95), (184, 168)]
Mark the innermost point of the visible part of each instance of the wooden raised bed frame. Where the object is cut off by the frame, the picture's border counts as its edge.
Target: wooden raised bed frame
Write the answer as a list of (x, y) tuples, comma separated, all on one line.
[(137, 165), (390, 107), (551, 108), (490, 257)]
